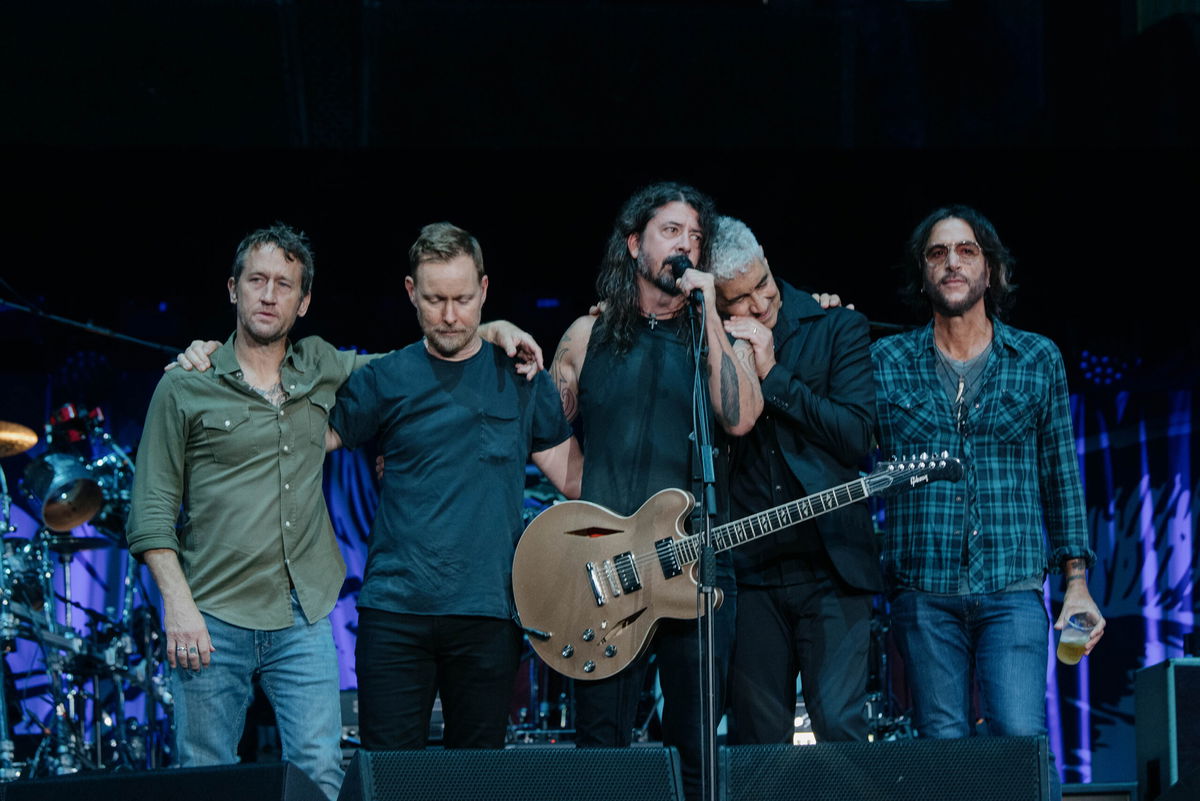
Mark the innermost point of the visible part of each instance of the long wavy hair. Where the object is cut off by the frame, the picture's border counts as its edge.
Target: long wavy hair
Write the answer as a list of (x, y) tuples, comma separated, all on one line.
[(616, 283), (999, 296)]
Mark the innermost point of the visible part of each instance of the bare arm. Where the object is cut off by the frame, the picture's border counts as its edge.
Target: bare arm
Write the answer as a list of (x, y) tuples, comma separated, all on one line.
[(568, 363), (1077, 599), (563, 465), (333, 440), (732, 382), (184, 626)]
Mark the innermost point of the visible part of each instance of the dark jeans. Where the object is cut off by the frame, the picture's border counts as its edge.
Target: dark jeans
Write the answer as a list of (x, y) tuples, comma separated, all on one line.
[(404, 661), (818, 629), (1001, 637), (605, 709)]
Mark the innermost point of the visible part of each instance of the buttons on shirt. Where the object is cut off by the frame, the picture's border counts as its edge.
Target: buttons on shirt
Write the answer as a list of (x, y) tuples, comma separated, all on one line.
[(287, 486), (286, 449), (228, 423), (287, 523)]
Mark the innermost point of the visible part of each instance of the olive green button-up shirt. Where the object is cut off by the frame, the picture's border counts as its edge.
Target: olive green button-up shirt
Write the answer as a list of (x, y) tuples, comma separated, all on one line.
[(248, 476)]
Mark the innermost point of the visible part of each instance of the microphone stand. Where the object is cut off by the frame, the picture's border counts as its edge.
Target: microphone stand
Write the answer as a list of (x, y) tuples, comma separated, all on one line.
[(704, 471)]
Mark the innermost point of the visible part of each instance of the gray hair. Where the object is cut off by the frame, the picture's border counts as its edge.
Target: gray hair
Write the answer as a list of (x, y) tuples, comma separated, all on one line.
[(733, 249)]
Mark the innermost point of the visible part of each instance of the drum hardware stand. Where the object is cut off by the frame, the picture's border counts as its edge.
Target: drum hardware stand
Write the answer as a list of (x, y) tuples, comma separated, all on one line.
[(881, 724), (8, 630)]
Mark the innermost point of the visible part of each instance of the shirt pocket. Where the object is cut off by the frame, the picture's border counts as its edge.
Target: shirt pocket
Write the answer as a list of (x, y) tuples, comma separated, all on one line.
[(912, 416), (1013, 416), (499, 436), (227, 433), (317, 407)]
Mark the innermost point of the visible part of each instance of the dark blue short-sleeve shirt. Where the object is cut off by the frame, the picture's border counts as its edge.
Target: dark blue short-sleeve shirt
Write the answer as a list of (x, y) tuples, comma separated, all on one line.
[(455, 437)]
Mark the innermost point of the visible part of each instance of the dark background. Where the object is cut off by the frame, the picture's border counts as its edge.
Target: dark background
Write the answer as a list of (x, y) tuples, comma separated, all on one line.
[(142, 140)]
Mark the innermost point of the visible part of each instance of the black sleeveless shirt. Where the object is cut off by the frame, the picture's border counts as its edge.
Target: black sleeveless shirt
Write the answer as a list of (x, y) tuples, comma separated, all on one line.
[(636, 409)]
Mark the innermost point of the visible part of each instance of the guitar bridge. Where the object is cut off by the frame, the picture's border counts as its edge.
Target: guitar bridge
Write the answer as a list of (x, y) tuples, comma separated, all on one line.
[(594, 580), (667, 558)]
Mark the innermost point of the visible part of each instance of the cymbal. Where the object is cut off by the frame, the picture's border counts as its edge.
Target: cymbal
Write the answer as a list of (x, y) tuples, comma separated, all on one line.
[(15, 438), (76, 544)]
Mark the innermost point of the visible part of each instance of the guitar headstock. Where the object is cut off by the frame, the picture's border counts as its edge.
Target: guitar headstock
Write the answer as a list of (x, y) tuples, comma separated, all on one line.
[(900, 475)]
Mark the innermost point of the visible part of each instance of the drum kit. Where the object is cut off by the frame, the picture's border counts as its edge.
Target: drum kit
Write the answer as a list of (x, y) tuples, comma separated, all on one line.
[(81, 481)]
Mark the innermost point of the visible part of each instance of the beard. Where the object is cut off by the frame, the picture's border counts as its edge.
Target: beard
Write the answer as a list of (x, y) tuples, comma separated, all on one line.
[(955, 308), (664, 279), (262, 334), (448, 343)]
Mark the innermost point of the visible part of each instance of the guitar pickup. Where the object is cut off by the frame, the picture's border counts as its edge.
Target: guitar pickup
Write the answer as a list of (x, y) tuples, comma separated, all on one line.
[(668, 559), (627, 572)]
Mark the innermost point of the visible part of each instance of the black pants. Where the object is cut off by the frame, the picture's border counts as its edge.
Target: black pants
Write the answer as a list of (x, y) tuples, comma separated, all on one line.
[(818, 628), (605, 709), (403, 661)]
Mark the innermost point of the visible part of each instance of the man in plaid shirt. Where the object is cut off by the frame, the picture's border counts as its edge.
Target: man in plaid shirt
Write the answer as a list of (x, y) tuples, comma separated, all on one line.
[(966, 562)]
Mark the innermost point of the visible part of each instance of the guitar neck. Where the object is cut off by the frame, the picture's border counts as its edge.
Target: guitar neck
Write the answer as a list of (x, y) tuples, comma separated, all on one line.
[(739, 532)]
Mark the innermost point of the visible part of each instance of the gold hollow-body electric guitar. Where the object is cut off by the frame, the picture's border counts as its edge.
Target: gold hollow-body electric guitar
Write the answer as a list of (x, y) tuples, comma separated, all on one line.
[(590, 585)]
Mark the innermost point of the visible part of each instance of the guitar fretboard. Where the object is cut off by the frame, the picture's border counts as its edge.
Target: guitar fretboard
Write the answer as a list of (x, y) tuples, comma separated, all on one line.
[(749, 528)]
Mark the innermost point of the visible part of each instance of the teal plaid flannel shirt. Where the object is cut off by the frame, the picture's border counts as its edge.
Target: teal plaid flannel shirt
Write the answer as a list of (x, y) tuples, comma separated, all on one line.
[(1018, 448)]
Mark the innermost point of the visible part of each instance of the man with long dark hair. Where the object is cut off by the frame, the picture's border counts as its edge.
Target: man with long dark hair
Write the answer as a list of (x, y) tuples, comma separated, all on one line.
[(629, 375), (965, 562)]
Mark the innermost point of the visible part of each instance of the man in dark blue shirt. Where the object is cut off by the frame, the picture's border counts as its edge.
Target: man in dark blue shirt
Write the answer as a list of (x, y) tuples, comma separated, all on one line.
[(456, 425)]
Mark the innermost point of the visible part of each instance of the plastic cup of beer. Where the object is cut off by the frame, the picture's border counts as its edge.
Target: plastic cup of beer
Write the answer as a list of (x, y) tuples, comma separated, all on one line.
[(1074, 637)]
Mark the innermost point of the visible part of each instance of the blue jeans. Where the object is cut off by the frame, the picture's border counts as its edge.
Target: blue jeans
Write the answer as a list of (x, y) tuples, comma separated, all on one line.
[(999, 638), (298, 672)]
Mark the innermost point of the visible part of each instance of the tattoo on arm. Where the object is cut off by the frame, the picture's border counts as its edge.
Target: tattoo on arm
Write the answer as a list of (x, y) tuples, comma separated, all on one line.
[(1074, 570), (730, 393), (569, 402)]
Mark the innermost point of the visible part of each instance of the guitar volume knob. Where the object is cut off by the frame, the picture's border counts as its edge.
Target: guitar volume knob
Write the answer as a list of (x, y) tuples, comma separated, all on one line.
[(610, 650), (589, 666), (588, 635), (568, 651)]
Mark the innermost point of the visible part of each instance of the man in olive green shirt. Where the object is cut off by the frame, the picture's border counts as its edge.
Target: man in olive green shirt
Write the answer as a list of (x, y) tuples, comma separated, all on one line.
[(249, 578)]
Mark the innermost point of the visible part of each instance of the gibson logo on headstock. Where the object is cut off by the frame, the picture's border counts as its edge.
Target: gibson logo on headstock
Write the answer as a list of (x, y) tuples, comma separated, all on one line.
[(915, 480)]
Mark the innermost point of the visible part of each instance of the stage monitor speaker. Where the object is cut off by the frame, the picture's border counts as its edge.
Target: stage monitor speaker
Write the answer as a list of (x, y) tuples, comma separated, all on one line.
[(969, 769), (1100, 791), (275, 781), (526, 773), (1167, 723)]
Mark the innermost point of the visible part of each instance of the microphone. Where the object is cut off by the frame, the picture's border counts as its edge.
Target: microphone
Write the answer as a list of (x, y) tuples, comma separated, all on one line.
[(678, 264)]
